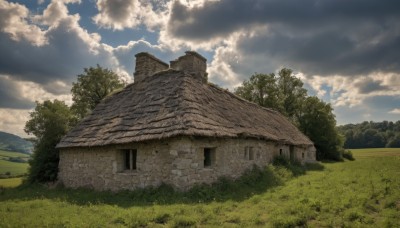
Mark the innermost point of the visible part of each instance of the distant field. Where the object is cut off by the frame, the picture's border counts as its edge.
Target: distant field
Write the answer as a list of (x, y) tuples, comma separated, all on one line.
[(12, 154), (360, 193), (14, 168), (374, 152)]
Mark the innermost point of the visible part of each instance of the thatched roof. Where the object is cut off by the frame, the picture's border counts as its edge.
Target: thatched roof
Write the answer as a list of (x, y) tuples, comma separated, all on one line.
[(172, 103)]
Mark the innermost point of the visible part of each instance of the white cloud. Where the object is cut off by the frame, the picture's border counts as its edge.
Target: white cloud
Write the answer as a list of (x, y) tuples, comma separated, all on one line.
[(220, 70), (54, 12), (352, 91), (13, 121), (121, 14), (14, 21), (23, 94), (395, 111)]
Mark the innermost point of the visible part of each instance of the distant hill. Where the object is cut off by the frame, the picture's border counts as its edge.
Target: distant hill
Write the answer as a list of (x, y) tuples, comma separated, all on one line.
[(10, 142)]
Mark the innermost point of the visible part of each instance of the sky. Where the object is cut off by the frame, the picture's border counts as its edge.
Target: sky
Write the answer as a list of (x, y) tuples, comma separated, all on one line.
[(347, 52)]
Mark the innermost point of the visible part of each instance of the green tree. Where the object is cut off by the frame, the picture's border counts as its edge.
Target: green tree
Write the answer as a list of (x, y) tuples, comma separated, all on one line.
[(394, 141), (92, 86), (292, 93), (50, 121), (317, 121), (261, 89), (286, 94)]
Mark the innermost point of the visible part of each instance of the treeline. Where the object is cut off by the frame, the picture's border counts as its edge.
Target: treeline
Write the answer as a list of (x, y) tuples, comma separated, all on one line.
[(371, 134)]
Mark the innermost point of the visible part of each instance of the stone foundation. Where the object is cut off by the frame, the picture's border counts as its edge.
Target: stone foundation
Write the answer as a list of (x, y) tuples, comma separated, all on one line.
[(178, 162)]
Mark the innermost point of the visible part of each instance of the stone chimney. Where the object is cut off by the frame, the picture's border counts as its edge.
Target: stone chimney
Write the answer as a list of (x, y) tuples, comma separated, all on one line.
[(147, 65), (191, 63)]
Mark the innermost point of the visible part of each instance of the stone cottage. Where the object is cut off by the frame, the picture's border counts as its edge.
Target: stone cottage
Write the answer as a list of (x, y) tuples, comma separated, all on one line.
[(172, 126)]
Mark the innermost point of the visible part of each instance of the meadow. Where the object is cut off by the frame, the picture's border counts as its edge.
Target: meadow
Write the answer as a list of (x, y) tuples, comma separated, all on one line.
[(360, 193), (12, 167)]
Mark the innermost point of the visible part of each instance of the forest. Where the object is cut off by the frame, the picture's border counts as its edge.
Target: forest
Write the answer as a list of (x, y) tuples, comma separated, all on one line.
[(371, 134)]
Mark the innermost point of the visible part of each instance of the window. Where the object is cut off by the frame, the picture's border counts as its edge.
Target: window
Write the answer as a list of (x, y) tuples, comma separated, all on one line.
[(209, 157), (248, 153), (280, 151), (130, 159), (251, 153), (302, 155)]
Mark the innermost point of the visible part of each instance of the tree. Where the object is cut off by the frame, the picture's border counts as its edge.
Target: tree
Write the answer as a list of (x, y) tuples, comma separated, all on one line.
[(394, 141), (292, 93), (317, 121), (261, 89), (50, 121), (286, 94), (91, 87)]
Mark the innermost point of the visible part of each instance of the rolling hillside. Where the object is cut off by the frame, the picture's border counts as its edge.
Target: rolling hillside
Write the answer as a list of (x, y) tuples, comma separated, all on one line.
[(10, 142)]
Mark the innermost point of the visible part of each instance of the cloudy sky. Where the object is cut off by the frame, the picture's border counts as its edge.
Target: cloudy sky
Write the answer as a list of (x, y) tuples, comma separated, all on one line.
[(347, 52)]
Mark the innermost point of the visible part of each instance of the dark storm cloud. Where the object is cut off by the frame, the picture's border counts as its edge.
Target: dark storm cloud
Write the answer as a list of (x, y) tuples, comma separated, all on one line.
[(11, 97), (317, 37), (368, 86), (218, 18), (325, 53)]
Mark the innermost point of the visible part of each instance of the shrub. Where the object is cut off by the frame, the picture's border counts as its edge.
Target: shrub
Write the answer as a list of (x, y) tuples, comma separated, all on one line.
[(347, 154), (162, 218), (280, 160), (293, 165)]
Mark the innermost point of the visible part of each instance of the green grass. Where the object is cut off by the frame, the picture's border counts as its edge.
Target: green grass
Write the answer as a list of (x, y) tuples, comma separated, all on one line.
[(10, 182), (14, 168), (360, 193)]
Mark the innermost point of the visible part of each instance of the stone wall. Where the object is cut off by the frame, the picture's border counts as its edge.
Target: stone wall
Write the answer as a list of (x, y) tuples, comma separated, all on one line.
[(178, 162), (147, 65)]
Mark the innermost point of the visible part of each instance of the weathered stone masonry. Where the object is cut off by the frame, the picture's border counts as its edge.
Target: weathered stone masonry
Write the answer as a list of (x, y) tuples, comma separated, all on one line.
[(178, 162)]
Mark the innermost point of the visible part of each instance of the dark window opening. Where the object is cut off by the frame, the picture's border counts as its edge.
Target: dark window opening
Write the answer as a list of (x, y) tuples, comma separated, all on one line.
[(302, 155), (130, 157), (251, 153), (280, 151), (209, 157), (291, 153), (127, 159)]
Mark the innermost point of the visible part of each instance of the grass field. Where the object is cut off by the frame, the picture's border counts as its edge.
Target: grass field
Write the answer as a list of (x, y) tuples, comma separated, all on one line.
[(360, 193), (10, 182), (14, 168)]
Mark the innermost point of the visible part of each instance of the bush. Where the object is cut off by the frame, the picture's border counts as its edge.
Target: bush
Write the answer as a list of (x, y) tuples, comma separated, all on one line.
[(293, 165), (280, 161), (347, 154)]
